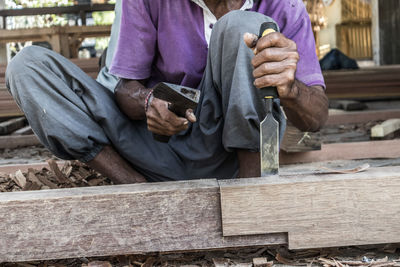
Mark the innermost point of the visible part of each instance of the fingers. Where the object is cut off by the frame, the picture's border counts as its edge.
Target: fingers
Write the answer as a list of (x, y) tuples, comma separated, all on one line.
[(273, 68), (161, 120), (250, 40), (275, 79), (273, 55), (275, 39), (190, 116)]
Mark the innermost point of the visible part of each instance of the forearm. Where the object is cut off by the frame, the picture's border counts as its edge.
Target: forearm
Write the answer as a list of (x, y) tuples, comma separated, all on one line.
[(308, 110), (130, 96)]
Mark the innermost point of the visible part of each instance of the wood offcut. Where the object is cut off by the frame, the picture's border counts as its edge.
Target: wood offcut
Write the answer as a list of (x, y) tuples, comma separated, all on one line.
[(385, 128)]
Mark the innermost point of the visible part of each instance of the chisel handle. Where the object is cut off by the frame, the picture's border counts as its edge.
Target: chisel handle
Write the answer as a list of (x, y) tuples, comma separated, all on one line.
[(268, 92)]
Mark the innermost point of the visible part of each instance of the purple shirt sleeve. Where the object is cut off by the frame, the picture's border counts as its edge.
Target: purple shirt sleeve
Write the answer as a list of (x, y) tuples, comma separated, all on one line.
[(294, 21), (137, 42)]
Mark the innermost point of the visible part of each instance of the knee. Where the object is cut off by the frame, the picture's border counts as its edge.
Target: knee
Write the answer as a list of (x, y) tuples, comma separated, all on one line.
[(238, 22), (28, 54), (25, 57)]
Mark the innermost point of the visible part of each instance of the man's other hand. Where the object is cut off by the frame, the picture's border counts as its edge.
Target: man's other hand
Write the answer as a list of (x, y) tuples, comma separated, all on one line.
[(275, 62), (160, 120)]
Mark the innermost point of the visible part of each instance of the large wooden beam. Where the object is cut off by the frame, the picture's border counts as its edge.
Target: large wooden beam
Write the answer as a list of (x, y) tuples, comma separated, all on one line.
[(316, 211), (363, 116), (345, 151), (76, 9), (116, 220), (15, 141), (45, 34), (368, 83)]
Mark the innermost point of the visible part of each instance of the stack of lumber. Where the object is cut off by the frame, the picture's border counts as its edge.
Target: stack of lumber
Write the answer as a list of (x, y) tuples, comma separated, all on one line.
[(348, 135), (8, 107), (15, 133), (368, 83)]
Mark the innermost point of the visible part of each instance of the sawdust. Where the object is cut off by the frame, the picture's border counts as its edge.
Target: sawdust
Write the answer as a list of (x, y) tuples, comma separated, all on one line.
[(374, 256), (72, 174)]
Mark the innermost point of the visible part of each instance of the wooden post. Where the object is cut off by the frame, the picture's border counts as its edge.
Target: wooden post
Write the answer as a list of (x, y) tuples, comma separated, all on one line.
[(389, 28), (375, 32), (3, 47)]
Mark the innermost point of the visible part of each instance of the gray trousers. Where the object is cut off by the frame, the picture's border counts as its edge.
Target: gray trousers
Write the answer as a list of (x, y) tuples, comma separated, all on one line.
[(74, 116)]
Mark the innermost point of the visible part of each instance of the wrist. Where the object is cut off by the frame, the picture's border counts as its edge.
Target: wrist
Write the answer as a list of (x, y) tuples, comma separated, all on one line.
[(148, 99), (293, 95)]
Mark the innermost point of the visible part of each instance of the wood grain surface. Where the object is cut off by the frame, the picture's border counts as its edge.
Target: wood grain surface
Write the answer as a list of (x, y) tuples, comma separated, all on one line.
[(345, 151), (316, 211), (116, 220), (295, 140), (15, 141), (362, 116), (368, 83)]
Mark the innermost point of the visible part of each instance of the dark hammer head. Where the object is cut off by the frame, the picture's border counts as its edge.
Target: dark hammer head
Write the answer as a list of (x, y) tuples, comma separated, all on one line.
[(181, 98)]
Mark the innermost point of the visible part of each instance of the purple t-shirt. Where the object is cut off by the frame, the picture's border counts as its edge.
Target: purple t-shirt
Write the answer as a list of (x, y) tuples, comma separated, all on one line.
[(164, 41)]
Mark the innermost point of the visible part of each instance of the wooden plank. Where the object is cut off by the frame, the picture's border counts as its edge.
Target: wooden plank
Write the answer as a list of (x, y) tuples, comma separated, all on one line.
[(385, 128), (295, 140), (345, 151), (45, 34), (27, 130), (363, 116), (316, 211), (348, 105), (11, 125), (12, 168), (12, 142), (116, 220), (75, 9), (367, 83)]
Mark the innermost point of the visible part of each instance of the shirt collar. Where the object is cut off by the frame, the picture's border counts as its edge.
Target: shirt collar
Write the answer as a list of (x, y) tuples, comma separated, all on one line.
[(248, 4)]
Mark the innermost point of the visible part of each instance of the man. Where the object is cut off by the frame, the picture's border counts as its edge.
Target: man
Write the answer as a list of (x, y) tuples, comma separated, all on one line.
[(171, 41)]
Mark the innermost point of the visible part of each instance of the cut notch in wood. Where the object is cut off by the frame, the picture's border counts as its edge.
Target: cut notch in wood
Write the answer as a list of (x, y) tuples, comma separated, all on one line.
[(329, 211)]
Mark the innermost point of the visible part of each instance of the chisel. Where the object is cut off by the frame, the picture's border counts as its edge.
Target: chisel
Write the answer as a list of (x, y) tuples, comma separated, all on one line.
[(269, 127)]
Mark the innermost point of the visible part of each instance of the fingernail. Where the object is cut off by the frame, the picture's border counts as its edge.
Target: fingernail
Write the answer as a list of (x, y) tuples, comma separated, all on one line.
[(186, 123)]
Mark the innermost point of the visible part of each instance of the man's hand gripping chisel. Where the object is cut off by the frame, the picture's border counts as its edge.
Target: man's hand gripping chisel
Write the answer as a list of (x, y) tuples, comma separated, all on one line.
[(269, 127)]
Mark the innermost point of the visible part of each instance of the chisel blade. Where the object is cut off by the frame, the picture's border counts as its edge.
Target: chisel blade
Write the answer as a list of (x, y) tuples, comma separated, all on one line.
[(269, 146)]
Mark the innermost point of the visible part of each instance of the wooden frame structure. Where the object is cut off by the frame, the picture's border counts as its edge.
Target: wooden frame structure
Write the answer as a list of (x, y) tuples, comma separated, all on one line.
[(76, 9), (186, 216), (63, 39)]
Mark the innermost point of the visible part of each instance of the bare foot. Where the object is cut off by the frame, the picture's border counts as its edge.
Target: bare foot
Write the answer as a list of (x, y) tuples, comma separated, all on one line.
[(109, 163)]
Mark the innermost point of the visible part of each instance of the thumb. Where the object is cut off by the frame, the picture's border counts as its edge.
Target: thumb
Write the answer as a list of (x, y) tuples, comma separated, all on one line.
[(190, 116), (251, 41)]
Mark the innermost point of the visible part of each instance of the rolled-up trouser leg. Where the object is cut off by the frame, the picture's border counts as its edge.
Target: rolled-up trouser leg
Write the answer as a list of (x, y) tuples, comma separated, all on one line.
[(60, 102), (230, 74)]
